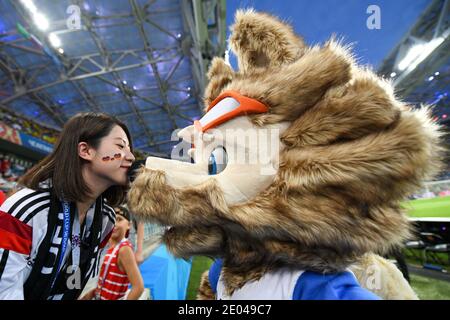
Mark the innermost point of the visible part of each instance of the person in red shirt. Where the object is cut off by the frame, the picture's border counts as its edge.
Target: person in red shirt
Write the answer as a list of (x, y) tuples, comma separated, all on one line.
[(2, 197), (119, 268)]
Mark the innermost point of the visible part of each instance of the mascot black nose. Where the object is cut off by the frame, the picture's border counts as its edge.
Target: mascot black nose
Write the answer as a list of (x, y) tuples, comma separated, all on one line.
[(134, 168)]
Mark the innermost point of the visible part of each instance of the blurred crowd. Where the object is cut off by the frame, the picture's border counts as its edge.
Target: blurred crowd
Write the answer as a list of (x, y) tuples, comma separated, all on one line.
[(46, 134), (11, 169), (29, 127)]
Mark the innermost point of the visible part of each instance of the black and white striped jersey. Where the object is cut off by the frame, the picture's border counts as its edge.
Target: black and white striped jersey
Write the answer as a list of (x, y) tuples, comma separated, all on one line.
[(23, 226)]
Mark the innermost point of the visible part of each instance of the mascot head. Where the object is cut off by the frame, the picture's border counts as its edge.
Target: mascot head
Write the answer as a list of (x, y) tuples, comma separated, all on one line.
[(301, 159)]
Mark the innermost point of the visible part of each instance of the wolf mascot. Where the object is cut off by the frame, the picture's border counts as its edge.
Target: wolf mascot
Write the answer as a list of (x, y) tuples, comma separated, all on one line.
[(301, 161)]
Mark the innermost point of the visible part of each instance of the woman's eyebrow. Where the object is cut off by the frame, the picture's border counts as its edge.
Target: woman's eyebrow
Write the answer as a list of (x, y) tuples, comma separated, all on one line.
[(118, 138)]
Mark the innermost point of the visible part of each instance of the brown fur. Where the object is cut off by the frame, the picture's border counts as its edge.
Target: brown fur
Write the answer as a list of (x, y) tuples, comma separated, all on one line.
[(219, 75), (261, 41), (353, 152), (382, 277), (187, 241), (291, 89), (204, 291)]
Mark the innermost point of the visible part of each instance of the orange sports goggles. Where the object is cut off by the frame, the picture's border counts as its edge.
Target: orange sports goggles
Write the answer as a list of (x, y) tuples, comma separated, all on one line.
[(227, 106)]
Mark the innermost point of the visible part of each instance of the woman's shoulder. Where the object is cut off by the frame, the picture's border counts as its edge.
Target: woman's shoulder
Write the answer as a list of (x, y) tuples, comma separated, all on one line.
[(26, 202)]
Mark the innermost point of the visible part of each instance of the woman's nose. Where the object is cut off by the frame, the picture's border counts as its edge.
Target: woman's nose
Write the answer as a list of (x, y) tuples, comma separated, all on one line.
[(130, 156)]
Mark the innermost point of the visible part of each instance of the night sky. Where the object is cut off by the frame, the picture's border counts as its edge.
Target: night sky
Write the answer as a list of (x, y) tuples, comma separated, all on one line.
[(317, 20)]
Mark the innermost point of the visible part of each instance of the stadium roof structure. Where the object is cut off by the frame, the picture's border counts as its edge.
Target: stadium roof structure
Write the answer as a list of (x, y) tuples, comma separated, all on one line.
[(143, 61), (419, 65)]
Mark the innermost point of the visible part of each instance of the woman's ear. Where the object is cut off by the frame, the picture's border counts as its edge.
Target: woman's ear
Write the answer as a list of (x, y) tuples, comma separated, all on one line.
[(85, 151)]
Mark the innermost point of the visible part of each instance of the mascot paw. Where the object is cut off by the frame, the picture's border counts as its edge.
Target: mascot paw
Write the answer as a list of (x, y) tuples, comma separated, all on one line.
[(383, 278)]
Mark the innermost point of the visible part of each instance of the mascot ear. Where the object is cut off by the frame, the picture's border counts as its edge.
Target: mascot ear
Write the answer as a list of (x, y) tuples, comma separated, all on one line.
[(261, 41), (219, 75)]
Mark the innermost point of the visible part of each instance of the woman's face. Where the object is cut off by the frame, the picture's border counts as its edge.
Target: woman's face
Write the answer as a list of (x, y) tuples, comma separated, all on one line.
[(113, 158)]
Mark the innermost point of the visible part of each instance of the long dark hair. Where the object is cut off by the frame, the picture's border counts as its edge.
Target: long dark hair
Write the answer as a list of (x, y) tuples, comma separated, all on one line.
[(63, 166)]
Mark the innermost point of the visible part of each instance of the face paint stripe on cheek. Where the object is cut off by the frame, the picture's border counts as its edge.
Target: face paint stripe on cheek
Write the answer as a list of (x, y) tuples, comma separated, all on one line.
[(116, 156)]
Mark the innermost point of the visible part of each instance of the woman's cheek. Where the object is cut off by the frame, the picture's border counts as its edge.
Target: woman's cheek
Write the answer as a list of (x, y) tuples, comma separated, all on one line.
[(113, 157)]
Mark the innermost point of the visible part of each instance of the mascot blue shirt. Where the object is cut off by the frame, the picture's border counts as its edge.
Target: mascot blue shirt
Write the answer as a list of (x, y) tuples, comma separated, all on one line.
[(295, 285)]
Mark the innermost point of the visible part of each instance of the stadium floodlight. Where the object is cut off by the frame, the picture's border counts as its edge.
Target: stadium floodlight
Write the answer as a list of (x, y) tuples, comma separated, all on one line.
[(40, 20), (418, 53), (54, 40), (29, 5)]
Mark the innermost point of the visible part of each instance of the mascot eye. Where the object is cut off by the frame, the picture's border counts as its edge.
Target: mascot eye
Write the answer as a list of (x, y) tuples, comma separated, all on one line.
[(217, 161)]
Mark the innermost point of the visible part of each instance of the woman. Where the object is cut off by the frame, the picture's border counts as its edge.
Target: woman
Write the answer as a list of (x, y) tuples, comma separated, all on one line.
[(119, 268), (53, 229)]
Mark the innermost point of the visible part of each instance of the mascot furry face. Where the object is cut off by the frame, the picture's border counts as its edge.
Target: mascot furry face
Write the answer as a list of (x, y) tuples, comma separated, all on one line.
[(315, 184)]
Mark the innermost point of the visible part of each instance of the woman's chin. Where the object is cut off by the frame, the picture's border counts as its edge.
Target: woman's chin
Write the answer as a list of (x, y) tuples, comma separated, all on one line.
[(117, 182)]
